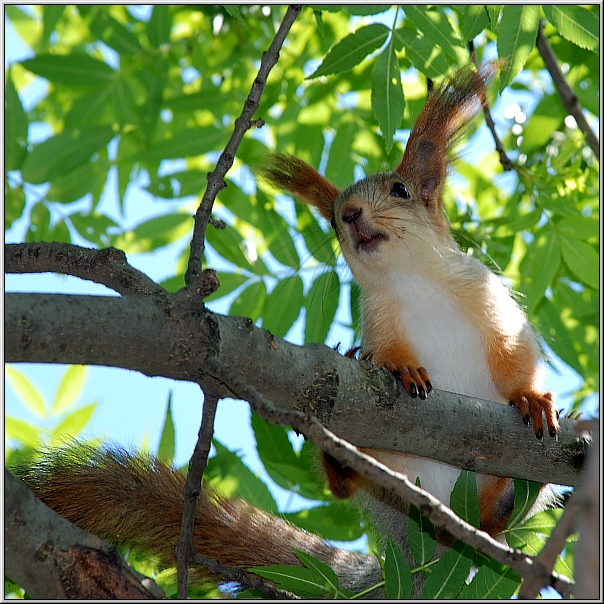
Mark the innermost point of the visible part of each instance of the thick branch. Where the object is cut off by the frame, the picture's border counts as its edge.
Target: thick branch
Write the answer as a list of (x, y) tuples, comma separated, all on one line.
[(174, 337), (567, 96), (57, 560), (242, 124), (108, 267)]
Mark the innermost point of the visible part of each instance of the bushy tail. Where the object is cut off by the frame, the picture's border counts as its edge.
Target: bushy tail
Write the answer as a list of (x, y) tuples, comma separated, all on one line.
[(137, 501)]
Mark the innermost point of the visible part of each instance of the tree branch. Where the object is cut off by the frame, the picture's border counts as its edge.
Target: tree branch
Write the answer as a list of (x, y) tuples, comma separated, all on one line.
[(567, 96), (197, 465), (242, 124), (57, 560), (108, 266), (174, 337), (438, 513)]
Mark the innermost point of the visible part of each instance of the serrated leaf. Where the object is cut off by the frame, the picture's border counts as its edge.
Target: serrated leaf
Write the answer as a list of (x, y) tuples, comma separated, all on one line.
[(75, 70), (272, 442), (159, 25), (73, 424), (545, 257), (64, 152), (528, 533), (525, 495), (16, 128), (292, 578), (449, 574), (582, 260), (492, 581), (494, 12), (321, 571), (437, 29), (425, 56), (233, 11), (250, 301), (167, 441), (421, 535), (516, 39), (21, 431), (338, 521), (575, 23), (475, 19), (233, 478), (25, 390), (283, 306), (316, 240), (70, 388), (464, 498), (350, 51), (229, 244), (398, 584), (387, 99), (322, 303)]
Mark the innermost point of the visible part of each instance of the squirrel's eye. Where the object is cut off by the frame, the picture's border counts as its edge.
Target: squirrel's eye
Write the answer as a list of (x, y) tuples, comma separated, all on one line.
[(398, 189)]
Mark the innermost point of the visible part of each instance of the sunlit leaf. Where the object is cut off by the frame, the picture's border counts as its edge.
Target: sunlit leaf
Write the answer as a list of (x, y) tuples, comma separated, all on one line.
[(449, 574), (582, 259), (421, 52), (21, 431), (73, 424), (69, 388), (167, 441), (577, 24), (25, 390), (475, 19)]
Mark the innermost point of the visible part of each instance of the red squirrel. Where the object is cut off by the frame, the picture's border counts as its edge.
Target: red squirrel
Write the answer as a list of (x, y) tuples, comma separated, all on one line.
[(431, 314)]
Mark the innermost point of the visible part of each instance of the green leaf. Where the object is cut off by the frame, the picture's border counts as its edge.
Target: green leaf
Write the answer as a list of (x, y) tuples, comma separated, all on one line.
[(320, 570), (283, 306), (14, 204), (159, 25), (76, 70), (25, 390), (464, 498), (339, 169), (28, 28), (114, 34), (79, 182), (575, 23), (21, 431), (421, 535), (178, 184), (579, 227), (517, 37), (366, 9), (93, 227), (541, 523), (437, 30), (544, 253), (229, 244), (63, 152), (492, 581), (73, 424), (233, 11), (70, 388), (397, 573), (122, 101), (387, 99), (92, 108), (494, 11), (167, 441), (582, 260), (475, 19), (292, 578), (250, 301), (39, 223), (16, 128), (338, 521), (322, 303), (51, 15), (525, 495), (449, 574), (272, 442), (318, 242), (425, 56), (350, 51), (191, 143), (233, 478)]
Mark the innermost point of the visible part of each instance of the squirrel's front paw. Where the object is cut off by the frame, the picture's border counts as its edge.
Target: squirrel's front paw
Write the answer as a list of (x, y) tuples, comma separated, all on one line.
[(415, 379), (532, 405)]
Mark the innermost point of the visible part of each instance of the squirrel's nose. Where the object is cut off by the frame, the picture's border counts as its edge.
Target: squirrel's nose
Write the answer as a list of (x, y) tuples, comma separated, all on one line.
[(351, 215)]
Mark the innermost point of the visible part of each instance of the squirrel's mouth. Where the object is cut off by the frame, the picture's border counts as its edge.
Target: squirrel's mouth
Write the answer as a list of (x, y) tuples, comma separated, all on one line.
[(364, 239)]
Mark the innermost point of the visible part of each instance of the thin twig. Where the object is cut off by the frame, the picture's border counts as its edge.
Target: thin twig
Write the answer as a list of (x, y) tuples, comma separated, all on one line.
[(380, 474), (242, 124), (245, 579), (506, 162), (567, 96), (108, 266), (197, 465)]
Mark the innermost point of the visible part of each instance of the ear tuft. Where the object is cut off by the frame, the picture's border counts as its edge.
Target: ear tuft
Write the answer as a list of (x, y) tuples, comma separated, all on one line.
[(448, 112), (291, 174)]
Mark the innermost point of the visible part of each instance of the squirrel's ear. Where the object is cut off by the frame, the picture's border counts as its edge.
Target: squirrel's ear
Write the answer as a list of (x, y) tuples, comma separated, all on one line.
[(448, 112), (291, 174)]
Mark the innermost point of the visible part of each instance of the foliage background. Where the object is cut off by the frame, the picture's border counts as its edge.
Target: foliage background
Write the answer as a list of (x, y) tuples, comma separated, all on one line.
[(114, 114)]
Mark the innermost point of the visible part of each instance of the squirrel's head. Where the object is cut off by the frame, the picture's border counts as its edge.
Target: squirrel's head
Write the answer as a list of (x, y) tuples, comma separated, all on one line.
[(387, 215)]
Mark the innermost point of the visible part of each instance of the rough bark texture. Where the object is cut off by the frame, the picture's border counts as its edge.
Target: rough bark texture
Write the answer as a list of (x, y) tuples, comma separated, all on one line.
[(172, 336)]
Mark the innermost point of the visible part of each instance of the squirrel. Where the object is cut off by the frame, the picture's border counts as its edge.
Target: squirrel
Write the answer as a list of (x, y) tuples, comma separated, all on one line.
[(431, 315)]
